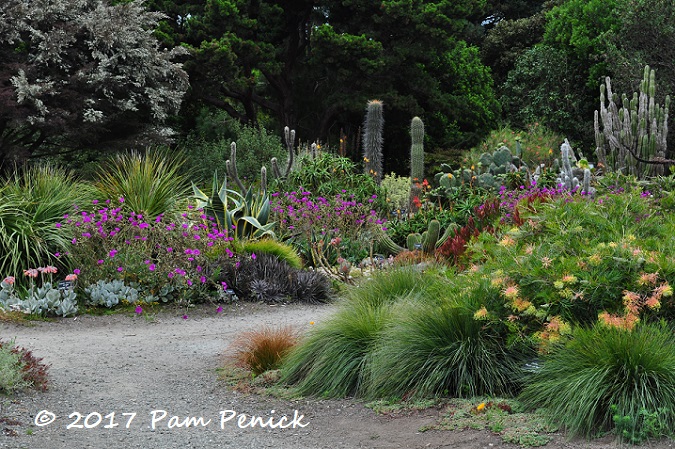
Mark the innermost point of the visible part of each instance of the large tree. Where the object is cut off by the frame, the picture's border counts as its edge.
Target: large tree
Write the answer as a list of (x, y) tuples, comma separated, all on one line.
[(313, 65), (82, 74)]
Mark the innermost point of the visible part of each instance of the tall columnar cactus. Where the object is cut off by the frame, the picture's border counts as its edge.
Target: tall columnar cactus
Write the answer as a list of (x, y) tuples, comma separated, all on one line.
[(566, 177), (417, 150), (231, 166), (633, 137), (373, 127), (289, 140)]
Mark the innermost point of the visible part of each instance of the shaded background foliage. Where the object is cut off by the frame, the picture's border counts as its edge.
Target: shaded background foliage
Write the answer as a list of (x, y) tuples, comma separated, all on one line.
[(99, 79)]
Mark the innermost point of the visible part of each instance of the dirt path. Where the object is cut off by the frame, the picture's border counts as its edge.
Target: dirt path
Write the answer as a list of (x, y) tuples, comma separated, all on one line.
[(164, 372)]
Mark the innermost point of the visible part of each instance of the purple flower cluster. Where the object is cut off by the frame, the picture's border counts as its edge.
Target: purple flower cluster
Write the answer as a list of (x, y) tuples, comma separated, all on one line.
[(302, 212), (109, 243)]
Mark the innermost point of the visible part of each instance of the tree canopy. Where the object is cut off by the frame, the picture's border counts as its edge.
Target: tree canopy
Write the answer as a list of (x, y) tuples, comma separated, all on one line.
[(313, 65), (82, 74)]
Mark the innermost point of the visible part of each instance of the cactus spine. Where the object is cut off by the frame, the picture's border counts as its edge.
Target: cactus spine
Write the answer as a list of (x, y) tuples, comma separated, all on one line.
[(372, 140), (417, 150), (638, 129)]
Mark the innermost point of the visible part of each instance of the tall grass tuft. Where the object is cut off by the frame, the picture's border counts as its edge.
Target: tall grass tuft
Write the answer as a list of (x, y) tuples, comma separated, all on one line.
[(431, 350), (150, 183), (333, 359), (264, 349), (603, 372), (32, 201)]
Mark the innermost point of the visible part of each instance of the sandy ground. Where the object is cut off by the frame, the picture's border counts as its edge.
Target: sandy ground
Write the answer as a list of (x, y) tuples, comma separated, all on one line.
[(122, 381)]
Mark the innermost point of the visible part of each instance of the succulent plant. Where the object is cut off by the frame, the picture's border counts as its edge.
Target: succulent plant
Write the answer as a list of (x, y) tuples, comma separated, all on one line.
[(373, 128)]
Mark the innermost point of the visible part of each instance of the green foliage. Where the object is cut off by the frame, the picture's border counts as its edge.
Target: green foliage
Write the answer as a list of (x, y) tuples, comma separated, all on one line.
[(273, 247), (11, 378), (32, 201), (247, 217), (334, 359), (548, 86), (535, 144), (20, 369), (150, 183), (397, 191), (432, 350), (603, 373), (255, 148)]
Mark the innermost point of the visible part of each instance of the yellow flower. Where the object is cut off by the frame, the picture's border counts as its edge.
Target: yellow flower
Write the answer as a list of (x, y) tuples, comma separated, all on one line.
[(569, 279), (311, 323), (450, 175), (481, 314), (366, 159), (480, 407), (559, 285)]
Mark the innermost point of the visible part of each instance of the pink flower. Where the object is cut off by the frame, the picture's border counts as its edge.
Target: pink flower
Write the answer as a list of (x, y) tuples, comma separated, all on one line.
[(76, 271), (71, 277), (9, 280), (139, 310), (253, 256), (185, 317), (219, 309), (100, 262), (58, 225), (31, 272), (151, 267), (120, 269), (112, 253), (224, 284)]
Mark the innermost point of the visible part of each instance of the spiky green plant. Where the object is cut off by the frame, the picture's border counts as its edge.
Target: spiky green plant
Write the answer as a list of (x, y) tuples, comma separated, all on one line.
[(332, 360), (605, 371), (150, 183), (431, 350), (373, 128), (417, 150), (32, 202)]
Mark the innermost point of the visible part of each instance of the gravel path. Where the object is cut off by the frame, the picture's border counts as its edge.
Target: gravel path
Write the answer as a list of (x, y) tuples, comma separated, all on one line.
[(164, 372)]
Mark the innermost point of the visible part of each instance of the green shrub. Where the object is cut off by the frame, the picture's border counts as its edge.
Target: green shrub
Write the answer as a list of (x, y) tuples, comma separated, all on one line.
[(432, 350), (150, 182), (602, 372), (32, 203), (255, 148)]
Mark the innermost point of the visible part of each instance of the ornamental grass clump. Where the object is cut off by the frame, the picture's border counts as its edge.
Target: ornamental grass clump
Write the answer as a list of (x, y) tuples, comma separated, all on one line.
[(334, 359), (605, 372), (264, 349), (431, 350), (32, 201)]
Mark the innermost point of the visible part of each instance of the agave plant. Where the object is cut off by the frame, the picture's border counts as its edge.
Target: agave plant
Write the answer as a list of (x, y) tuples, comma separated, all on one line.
[(247, 214)]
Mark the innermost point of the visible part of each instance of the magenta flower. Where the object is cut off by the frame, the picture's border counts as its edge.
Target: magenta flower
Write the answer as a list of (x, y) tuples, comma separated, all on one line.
[(76, 271), (100, 261), (120, 269), (253, 256), (139, 310), (58, 225), (185, 317), (152, 267), (224, 284), (219, 309)]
